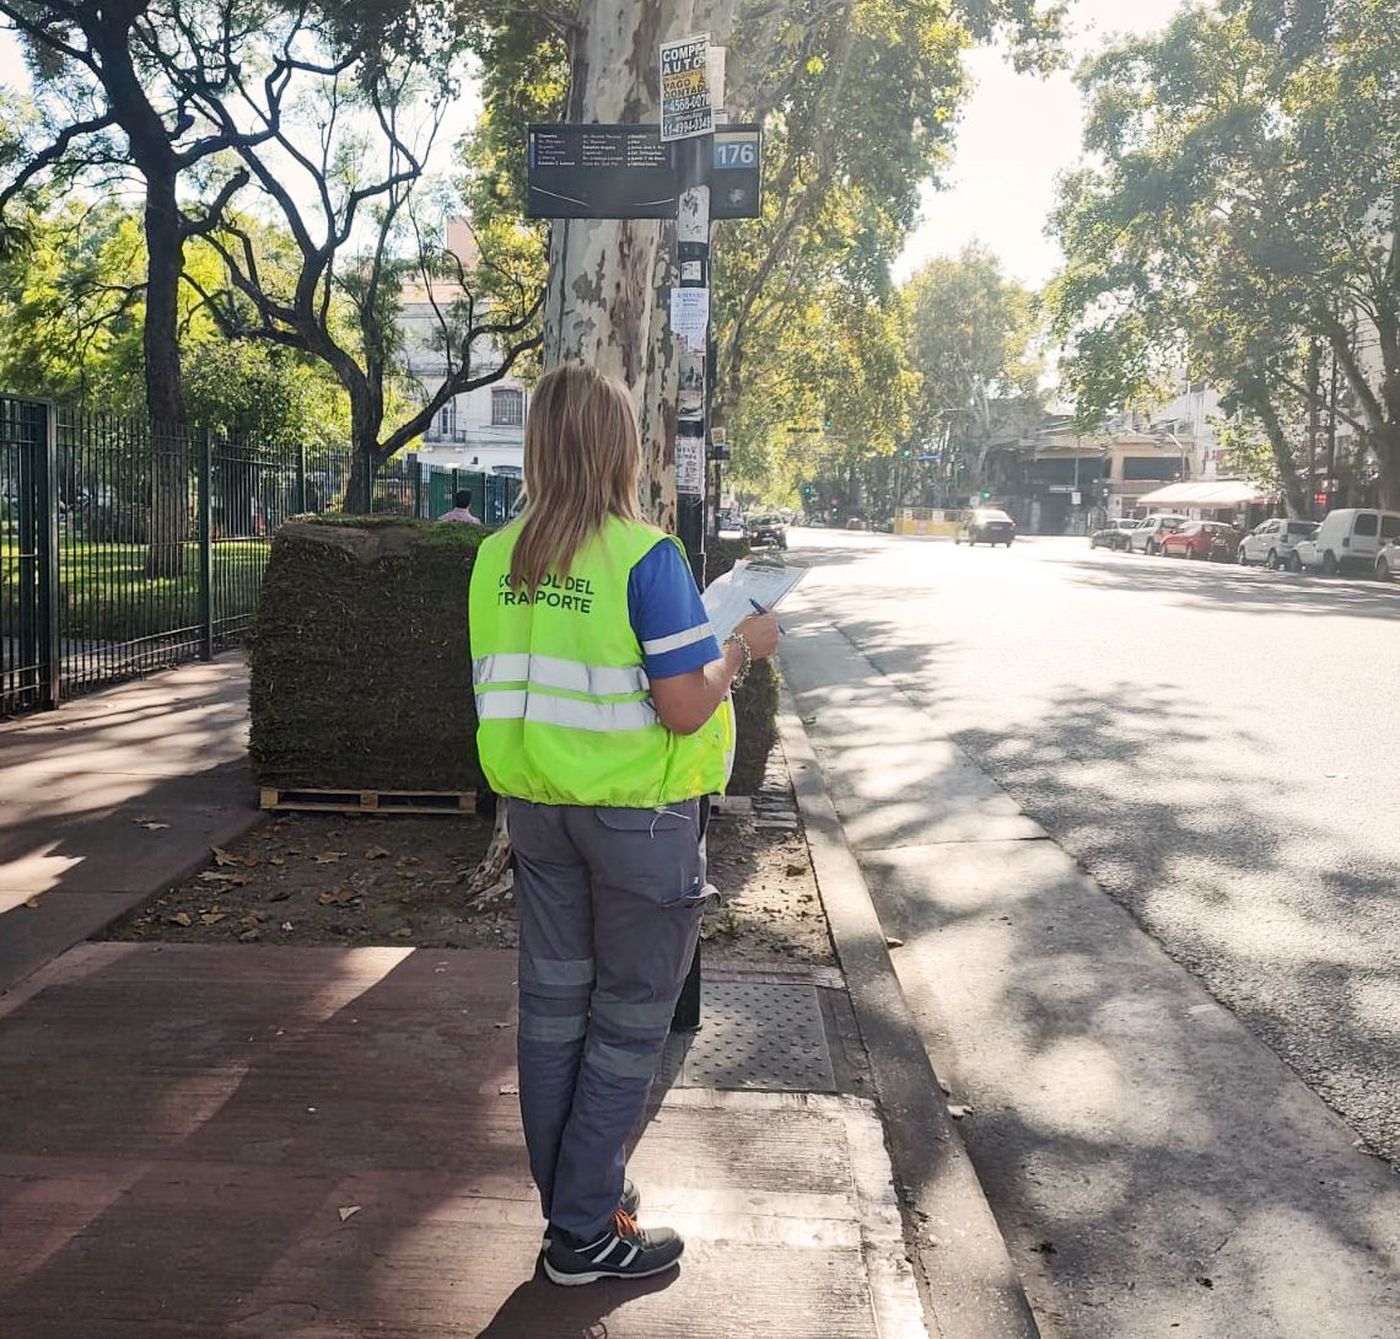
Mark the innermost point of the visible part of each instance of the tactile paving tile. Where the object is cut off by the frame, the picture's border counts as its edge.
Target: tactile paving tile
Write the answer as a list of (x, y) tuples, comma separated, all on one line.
[(758, 1035)]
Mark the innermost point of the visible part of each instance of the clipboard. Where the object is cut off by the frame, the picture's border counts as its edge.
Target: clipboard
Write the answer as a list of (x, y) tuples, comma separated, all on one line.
[(730, 599)]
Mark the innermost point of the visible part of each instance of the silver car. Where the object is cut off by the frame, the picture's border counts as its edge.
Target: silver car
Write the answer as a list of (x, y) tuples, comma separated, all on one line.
[(1147, 538), (1388, 562), (1273, 543)]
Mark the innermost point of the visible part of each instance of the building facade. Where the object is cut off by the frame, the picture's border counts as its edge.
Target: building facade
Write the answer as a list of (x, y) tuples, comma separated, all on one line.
[(481, 430)]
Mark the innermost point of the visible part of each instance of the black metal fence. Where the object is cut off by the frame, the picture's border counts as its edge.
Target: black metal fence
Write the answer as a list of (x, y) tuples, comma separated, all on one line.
[(125, 549)]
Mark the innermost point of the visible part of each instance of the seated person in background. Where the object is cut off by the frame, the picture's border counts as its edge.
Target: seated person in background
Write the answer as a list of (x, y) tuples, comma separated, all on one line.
[(461, 508)]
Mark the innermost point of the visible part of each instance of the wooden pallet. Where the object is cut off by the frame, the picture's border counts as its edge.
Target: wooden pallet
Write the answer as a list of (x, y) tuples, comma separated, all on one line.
[(370, 801)]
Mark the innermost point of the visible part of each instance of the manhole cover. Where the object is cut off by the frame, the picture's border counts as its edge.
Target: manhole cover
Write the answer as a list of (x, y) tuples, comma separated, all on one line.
[(756, 1035)]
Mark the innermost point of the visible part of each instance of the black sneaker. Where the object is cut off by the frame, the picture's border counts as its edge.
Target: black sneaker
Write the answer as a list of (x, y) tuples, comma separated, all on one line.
[(622, 1251), (631, 1205)]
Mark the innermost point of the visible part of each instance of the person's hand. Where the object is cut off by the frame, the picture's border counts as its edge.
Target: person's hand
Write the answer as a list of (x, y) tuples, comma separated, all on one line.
[(761, 633)]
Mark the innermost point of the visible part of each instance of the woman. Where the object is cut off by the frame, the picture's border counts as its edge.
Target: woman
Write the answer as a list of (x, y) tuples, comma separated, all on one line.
[(604, 715)]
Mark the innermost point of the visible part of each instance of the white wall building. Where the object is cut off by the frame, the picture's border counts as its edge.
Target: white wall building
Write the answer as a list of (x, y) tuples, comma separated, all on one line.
[(485, 428), (1188, 418)]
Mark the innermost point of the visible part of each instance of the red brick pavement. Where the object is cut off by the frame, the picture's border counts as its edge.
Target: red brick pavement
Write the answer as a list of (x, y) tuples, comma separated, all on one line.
[(182, 1129)]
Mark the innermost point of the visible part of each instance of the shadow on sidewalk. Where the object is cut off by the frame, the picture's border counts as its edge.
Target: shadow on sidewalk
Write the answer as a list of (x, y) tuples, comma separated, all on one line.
[(539, 1309), (112, 799)]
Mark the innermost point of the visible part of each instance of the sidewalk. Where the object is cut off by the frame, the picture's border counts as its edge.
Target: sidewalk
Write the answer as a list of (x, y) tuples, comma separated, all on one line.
[(112, 797), (324, 1143)]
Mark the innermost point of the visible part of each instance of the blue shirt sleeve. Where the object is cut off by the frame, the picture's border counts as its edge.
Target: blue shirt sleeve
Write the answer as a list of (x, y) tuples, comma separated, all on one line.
[(667, 615)]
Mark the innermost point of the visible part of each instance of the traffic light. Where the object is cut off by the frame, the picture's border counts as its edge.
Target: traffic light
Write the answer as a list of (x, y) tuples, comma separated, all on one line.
[(986, 495)]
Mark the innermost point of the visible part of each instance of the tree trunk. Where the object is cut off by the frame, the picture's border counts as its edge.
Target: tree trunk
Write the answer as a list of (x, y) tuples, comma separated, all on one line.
[(165, 403), (365, 424), (1295, 495), (1386, 445), (608, 278)]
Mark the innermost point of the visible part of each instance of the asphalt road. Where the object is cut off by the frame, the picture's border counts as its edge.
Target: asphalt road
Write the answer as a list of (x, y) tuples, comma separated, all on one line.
[(1219, 748)]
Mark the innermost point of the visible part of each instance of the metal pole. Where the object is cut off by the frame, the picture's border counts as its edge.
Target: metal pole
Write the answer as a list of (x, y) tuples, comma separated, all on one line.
[(301, 479), (51, 672), (693, 258), (692, 425), (206, 546)]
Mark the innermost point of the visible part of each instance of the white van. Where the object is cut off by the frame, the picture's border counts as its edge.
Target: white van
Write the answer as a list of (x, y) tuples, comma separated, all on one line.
[(1348, 539)]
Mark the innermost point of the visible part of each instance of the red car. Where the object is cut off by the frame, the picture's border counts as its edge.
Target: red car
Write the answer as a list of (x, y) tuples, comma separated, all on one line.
[(1205, 540)]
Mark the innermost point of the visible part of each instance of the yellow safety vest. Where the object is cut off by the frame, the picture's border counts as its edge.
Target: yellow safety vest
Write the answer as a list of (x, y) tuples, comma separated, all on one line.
[(563, 700)]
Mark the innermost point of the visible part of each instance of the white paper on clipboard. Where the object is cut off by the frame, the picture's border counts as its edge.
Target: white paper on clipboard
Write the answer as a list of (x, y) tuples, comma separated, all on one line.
[(730, 599)]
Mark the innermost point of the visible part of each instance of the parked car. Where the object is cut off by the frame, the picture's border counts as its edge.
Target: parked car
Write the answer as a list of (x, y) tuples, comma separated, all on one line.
[(767, 531), (1115, 535), (1388, 562), (1349, 539), (1208, 541), (1274, 542), (986, 525), (1148, 536)]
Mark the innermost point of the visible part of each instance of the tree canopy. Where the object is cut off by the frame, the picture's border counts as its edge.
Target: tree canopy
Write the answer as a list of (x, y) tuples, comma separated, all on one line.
[(1242, 210)]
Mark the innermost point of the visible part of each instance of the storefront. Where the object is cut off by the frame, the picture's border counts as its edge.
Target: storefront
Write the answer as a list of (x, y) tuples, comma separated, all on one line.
[(1235, 501)]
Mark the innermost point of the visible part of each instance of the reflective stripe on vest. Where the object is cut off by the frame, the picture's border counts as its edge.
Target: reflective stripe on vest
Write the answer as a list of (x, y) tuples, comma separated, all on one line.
[(553, 672), (575, 712)]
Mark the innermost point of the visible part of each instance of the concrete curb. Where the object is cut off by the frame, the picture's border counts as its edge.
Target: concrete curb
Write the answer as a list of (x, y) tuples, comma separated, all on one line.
[(969, 1285)]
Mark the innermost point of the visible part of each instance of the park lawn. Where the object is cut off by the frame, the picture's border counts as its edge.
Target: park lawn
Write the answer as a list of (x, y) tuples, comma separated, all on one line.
[(107, 596)]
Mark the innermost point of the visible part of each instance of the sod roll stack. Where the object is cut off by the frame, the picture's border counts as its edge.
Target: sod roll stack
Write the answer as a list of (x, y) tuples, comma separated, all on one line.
[(361, 670)]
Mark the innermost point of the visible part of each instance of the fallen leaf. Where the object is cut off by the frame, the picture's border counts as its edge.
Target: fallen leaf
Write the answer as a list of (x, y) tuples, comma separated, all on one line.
[(377, 853), (328, 857), (794, 869), (32, 902), (218, 876), (182, 918), (510, 1090), (892, 942), (1044, 1248), (957, 1111), (348, 1211), (249, 936), (213, 917), (150, 824), (1204, 1281), (341, 898), (281, 895), (403, 932), (276, 860), (222, 857)]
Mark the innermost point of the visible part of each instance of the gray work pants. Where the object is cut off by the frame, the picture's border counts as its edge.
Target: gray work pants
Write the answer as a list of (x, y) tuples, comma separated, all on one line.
[(610, 903)]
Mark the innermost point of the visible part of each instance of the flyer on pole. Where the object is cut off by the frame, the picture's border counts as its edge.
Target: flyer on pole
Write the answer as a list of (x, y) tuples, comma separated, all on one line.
[(687, 109)]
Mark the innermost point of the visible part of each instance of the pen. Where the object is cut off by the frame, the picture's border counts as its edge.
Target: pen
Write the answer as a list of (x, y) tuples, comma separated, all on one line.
[(759, 609)]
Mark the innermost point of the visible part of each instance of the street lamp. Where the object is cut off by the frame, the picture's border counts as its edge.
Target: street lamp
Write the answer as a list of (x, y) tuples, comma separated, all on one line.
[(1180, 448)]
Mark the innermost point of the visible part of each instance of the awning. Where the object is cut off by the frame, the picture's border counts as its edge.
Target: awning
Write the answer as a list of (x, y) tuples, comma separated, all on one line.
[(1206, 493)]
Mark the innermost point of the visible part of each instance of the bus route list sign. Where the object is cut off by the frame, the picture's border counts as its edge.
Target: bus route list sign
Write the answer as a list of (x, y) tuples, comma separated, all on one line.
[(686, 107), (599, 172), (629, 172)]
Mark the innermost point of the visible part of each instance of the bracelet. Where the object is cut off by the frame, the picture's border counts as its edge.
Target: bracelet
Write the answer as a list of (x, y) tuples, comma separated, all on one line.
[(738, 679)]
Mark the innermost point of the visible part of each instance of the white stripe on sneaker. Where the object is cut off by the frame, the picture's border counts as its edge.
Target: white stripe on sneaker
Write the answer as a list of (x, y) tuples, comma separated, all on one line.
[(631, 1255), (607, 1250)]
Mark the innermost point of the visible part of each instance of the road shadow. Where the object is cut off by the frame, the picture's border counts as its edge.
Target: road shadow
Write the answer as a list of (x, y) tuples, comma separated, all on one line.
[(1229, 588)]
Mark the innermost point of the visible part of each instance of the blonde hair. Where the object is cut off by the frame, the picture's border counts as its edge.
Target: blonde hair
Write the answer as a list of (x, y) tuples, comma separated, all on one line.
[(582, 456)]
